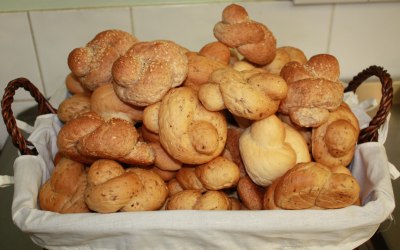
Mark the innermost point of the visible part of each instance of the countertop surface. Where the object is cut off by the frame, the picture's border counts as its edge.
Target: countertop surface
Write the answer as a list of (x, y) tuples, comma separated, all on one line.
[(12, 238)]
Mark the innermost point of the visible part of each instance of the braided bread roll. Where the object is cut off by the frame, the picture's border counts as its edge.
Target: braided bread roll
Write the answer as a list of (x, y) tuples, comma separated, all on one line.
[(251, 95), (219, 173), (64, 191), (195, 200), (313, 185), (92, 64), (314, 90), (252, 39), (188, 132), (334, 142), (148, 70), (89, 137)]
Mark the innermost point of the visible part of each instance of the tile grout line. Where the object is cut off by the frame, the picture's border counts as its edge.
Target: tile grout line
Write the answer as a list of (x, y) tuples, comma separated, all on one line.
[(131, 20), (36, 54), (330, 28)]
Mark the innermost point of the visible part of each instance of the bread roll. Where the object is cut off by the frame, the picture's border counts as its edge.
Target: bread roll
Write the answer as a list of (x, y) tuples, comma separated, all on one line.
[(334, 142), (110, 187), (90, 137), (148, 70), (64, 191), (195, 200), (252, 96), (252, 39), (153, 194), (313, 185), (92, 64), (188, 132), (104, 100), (266, 152), (73, 106), (313, 90)]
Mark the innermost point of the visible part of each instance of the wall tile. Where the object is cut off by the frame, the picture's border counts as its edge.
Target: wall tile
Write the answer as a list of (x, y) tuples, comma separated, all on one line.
[(17, 107), (304, 27), (364, 35), (191, 27), (57, 33), (18, 57), (188, 25)]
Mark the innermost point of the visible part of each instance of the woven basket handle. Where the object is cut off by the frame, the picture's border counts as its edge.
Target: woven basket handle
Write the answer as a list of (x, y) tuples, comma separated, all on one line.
[(24, 146), (370, 133)]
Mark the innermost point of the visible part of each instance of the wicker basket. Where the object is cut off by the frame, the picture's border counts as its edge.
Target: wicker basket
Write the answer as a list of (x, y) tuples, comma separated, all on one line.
[(368, 134)]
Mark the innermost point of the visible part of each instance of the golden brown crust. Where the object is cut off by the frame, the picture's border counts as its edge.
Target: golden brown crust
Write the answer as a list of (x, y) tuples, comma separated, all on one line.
[(313, 185), (73, 106), (92, 64), (250, 194), (89, 137), (153, 194), (74, 86), (104, 100), (313, 90), (148, 70), (195, 200), (110, 187), (217, 51), (63, 192), (252, 39), (200, 68), (284, 55), (334, 142), (251, 95), (188, 132)]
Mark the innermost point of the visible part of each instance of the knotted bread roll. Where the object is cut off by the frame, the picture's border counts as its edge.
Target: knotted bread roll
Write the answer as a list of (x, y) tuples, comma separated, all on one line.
[(148, 70), (153, 194), (110, 187), (252, 39), (284, 55), (90, 136), (313, 90), (219, 173), (269, 149), (73, 106), (92, 64), (188, 132), (334, 142), (64, 191), (313, 185), (251, 95), (104, 100), (195, 200)]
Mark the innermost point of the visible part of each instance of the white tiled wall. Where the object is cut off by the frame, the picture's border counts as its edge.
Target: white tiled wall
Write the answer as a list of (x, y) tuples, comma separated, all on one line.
[(36, 44)]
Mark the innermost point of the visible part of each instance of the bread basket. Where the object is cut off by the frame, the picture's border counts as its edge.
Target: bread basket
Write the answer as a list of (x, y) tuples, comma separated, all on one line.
[(342, 228)]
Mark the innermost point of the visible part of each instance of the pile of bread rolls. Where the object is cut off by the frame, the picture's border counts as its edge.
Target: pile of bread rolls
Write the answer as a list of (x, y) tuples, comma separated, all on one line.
[(241, 124)]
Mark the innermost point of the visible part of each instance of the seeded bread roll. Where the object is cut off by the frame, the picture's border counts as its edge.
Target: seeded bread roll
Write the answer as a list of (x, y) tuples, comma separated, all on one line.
[(64, 191), (90, 136), (313, 90), (284, 55), (148, 70), (92, 64)]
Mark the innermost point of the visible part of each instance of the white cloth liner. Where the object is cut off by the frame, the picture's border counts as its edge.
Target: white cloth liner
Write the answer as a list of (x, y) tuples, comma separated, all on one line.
[(306, 229)]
